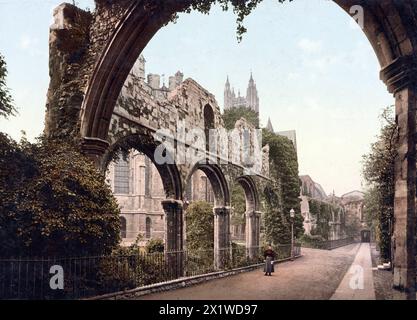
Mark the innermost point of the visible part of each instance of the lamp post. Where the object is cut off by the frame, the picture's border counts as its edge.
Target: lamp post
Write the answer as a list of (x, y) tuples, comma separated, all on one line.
[(292, 216)]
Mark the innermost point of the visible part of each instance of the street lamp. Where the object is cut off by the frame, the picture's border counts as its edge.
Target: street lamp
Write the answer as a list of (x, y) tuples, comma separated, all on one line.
[(292, 216)]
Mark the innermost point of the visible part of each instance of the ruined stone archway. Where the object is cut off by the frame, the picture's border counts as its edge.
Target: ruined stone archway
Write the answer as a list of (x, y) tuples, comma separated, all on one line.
[(221, 211), (218, 183), (94, 76), (253, 216), (251, 193), (171, 181), (145, 143)]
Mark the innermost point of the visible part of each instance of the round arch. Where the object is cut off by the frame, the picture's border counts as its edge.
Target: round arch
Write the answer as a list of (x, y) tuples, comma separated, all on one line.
[(251, 193), (218, 183), (169, 173)]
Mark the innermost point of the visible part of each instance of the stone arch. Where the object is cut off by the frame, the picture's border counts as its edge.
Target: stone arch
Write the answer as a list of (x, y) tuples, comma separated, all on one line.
[(135, 28), (251, 193), (221, 211), (169, 173), (217, 180), (253, 216)]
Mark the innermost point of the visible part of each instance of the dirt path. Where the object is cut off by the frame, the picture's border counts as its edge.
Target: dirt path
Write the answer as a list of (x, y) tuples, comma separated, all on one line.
[(316, 275)]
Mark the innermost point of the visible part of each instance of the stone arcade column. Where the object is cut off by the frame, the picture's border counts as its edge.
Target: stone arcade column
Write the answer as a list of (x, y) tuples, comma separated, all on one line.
[(252, 233), (400, 77), (174, 241), (95, 148), (221, 236)]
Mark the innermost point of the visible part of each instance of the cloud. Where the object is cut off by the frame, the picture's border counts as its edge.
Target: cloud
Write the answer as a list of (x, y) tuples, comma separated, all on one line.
[(309, 46)]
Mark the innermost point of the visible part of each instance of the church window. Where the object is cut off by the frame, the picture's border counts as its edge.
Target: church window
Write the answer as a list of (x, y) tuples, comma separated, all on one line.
[(121, 177)]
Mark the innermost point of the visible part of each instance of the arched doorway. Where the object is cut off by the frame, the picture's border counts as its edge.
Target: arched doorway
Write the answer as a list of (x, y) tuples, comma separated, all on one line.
[(221, 210), (170, 196), (365, 236), (252, 216)]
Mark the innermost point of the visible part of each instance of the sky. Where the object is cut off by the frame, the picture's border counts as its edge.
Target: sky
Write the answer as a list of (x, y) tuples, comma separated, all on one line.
[(315, 71)]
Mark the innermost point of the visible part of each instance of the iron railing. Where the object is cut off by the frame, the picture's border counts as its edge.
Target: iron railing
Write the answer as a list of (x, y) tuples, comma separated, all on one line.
[(328, 244), (31, 278)]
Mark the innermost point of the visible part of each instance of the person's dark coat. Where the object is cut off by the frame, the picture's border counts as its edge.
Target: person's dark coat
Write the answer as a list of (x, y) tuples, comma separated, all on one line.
[(269, 255)]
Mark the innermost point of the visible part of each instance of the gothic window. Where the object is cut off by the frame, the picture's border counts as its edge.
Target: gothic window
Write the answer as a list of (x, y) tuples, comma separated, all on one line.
[(208, 123), (148, 228), (123, 228), (121, 177)]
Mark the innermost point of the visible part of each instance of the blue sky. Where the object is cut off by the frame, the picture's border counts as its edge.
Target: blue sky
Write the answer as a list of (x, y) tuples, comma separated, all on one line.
[(315, 72)]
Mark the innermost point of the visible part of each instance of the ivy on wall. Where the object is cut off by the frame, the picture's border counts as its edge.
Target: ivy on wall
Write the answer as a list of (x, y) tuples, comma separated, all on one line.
[(284, 170)]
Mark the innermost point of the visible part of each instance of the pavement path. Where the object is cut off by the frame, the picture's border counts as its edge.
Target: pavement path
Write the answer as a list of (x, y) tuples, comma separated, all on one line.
[(318, 275), (358, 282)]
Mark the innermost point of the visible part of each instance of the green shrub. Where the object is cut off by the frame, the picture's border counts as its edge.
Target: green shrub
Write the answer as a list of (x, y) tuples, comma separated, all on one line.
[(54, 201), (155, 245)]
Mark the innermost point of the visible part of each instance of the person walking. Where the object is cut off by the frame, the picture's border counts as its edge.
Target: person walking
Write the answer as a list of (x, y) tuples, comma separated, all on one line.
[(269, 255)]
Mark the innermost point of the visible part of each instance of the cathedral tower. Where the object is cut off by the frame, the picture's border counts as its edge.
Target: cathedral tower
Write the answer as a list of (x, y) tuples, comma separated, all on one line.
[(252, 99), (228, 96)]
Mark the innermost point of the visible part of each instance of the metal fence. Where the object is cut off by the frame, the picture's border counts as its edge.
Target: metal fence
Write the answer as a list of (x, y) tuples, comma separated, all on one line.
[(333, 244), (328, 244), (32, 278)]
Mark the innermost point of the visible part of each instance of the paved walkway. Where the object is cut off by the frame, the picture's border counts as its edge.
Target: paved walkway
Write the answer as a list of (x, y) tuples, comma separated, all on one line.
[(358, 283), (316, 275)]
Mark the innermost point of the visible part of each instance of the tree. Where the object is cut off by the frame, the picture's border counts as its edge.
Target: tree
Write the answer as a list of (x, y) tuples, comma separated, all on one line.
[(241, 8), (277, 229), (371, 208), (379, 173), (6, 102), (230, 116), (54, 201), (155, 245), (200, 226), (238, 200)]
